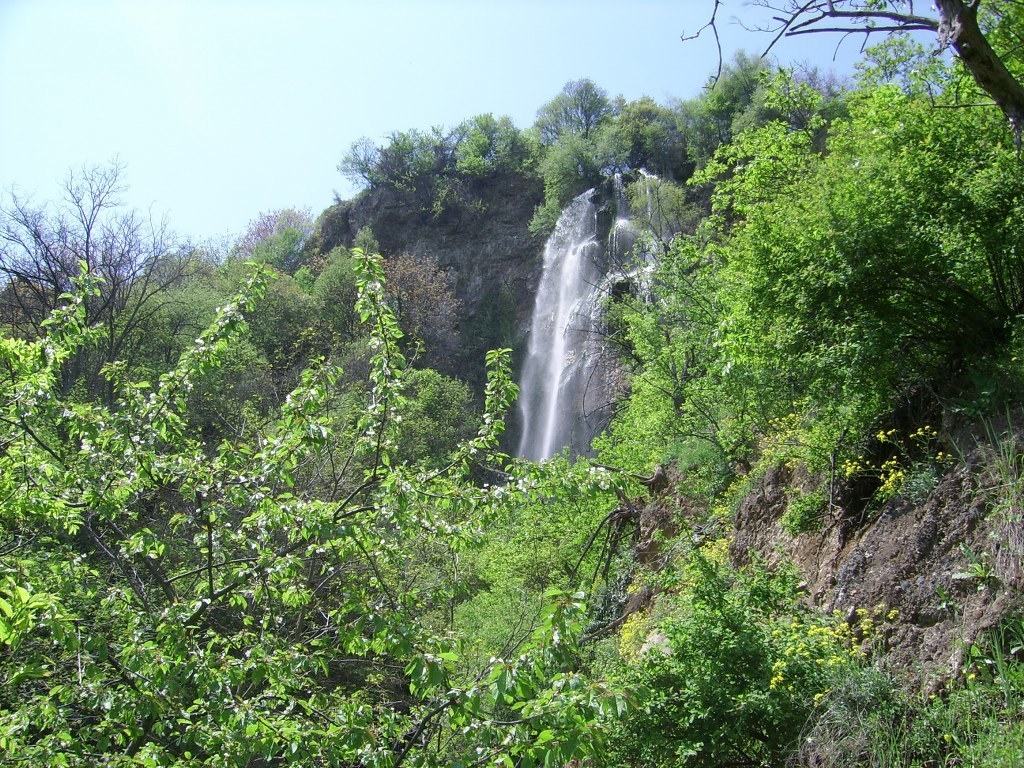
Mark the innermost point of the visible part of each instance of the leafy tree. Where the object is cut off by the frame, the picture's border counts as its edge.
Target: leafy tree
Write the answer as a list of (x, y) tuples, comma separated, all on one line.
[(901, 60), (679, 404), (410, 159), (568, 168), (167, 602), (411, 162), (712, 119), (492, 145), (578, 110), (366, 241), (646, 135), (531, 549), (286, 329), (420, 294), (43, 250), (361, 163), (854, 276), (335, 294), (185, 311), (437, 171), (828, 286), (576, 152), (438, 415), (803, 99), (985, 35), (737, 671), (277, 238), (662, 209), (237, 396)]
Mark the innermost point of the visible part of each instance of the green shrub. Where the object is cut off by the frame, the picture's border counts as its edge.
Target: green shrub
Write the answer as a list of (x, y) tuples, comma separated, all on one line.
[(804, 511), (738, 668), (868, 720)]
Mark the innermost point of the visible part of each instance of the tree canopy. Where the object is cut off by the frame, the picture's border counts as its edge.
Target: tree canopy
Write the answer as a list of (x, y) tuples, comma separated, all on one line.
[(254, 515)]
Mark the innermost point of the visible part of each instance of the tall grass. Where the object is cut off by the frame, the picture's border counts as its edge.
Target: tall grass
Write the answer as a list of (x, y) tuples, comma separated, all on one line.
[(868, 721)]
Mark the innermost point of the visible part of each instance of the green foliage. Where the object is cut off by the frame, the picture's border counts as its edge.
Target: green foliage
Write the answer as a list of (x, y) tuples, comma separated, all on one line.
[(578, 110), (569, 167), (804, 511), (1002, 23), (417, 163), (437, 414), (282, 250), (853, 276), (862, 253), (708, 121), (735, 669), (663, 210), (646, 135), (234, 395), (182, 314), (366, 241), (360, 163), (545, 217), (974, 721), (586, 137), (409, 159), (537, 543), (493, 145), (206, 569), (824, 288), (438, 170), (167, 602), (277, 238), (905, 466), (335, 291), (900, 60), (678, 394), (283, 329)]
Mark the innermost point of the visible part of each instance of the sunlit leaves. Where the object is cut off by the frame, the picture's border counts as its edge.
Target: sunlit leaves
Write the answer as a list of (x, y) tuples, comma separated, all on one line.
[(853, 275), (183, 603)]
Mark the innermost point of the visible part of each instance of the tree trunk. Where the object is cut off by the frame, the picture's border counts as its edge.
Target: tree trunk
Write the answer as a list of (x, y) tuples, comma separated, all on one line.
[(958, 26)]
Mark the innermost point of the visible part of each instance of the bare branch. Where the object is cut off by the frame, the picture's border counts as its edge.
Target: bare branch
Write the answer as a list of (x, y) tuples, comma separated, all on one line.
[(712, 24), (42, 248), (858, 31), (954, 22)]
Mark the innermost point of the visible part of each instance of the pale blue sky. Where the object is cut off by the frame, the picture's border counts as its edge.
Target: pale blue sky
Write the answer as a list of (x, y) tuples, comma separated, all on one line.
[(220, 109)]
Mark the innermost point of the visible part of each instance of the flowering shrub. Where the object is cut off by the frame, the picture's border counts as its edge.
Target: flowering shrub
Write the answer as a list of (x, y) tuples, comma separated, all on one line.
[(911, 465), (741, 667)]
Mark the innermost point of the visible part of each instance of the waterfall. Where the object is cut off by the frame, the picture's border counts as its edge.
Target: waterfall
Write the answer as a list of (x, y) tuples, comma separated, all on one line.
[(624, 233), (561, 355), (567, 380)]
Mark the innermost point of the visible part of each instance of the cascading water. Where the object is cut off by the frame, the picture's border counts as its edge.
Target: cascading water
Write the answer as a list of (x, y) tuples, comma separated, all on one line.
[(632, 256), (557, 366), (624, 233), (567, 382)]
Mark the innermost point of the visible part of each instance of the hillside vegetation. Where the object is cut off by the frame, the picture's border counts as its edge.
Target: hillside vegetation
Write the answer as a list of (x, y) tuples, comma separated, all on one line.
[(258, 508)]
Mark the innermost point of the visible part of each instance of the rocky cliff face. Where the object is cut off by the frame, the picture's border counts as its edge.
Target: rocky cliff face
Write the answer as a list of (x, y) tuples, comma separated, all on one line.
[(481, 238), (932, 571)]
